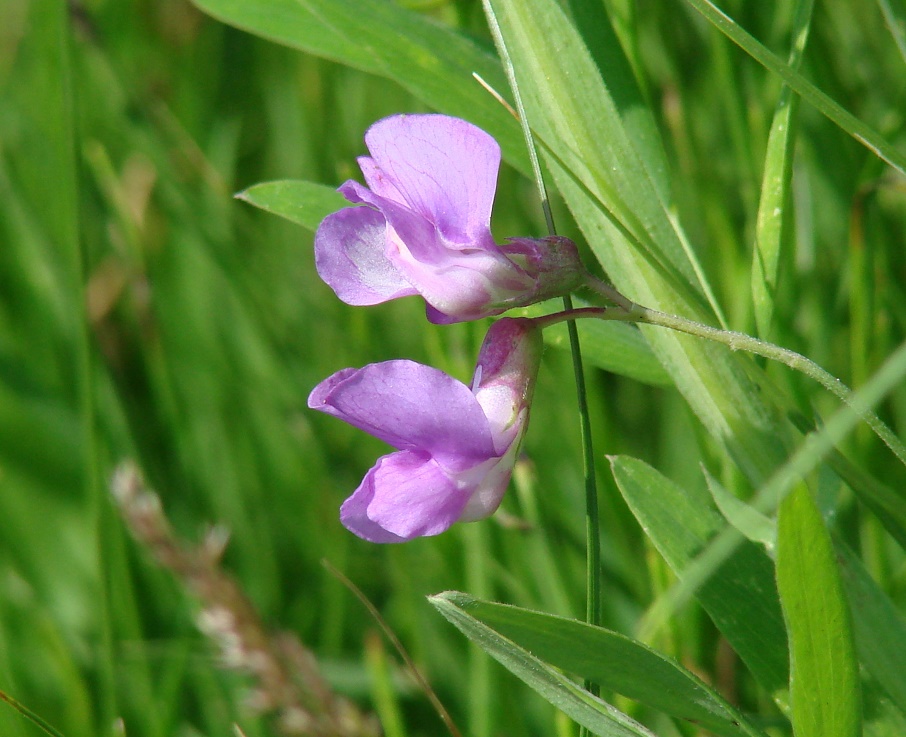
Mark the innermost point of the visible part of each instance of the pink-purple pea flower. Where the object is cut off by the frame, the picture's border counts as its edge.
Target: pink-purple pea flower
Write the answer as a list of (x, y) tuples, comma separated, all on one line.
[(455, 445), (423, 227)]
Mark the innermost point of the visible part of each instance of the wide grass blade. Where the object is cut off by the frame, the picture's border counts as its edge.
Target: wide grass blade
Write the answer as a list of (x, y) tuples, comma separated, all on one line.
[(587, 710), (615, 347), (880, 628), (614, 661), (611, 193), (303, 203), (825, 696)]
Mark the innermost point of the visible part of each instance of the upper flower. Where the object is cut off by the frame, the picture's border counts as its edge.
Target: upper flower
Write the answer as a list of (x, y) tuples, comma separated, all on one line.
[(425, 227), (455, 445)]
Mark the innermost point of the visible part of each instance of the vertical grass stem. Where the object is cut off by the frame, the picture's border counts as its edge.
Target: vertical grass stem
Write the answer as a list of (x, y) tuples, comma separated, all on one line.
[(592, 526)]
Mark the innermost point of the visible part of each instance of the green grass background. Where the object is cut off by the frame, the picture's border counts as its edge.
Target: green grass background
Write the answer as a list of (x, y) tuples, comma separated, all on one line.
[(145, 313)]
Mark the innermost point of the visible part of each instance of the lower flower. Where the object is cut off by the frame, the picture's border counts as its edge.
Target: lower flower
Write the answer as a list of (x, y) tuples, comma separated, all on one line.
[(455, 444)]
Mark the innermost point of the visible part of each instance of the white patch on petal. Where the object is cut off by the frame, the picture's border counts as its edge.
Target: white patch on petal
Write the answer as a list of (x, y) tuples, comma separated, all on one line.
[(490, 490), (501, 406)]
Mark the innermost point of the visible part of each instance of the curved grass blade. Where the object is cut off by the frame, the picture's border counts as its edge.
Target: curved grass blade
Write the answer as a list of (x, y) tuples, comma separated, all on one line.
[(615, 661), (589, 711), (740, 595)]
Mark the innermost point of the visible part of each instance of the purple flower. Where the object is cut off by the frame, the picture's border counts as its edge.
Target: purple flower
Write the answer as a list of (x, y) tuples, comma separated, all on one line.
[(455, 445), (425, 227)]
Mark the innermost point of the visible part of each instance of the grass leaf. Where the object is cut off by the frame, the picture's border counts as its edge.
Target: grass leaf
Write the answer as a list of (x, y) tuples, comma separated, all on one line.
[(824, 674), (587, 710), (774, 211), (741, 597), (611, 193), (612, 660)]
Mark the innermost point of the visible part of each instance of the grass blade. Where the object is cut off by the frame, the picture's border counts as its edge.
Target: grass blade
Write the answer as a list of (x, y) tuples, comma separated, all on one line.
[(848, 122), (303, 203), (825, 696), (740, 595), (773, 219), (614, 661), (587, 710)]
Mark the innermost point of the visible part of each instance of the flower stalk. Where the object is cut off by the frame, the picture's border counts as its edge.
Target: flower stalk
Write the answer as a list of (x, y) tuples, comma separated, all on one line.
[(628, 311)]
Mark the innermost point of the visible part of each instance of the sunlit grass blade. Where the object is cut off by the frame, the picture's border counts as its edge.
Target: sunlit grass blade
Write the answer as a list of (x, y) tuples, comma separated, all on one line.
[(584, 128), (587, 710), (615, 661), (848, 122), (383, 693), (825, 698), (610, 56), (774, 212)]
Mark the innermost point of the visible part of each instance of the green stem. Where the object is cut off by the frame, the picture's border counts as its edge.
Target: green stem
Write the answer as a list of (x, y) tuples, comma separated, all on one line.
[(632, 312), (592, 525), (29, 714)]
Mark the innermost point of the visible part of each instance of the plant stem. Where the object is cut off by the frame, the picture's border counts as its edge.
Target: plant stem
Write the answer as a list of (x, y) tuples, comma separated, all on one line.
[(629, 311), (592, 525)]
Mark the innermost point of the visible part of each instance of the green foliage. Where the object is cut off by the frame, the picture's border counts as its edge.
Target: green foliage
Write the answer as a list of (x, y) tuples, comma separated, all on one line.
[(740, 596), (824, 675), (592, 713), (611, 660), (303, 203), (146, 313)]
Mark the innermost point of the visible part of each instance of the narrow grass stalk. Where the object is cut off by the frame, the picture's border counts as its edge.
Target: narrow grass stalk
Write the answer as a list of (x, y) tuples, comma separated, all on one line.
[(30, 715), (481, 711), (66, 176), (592, 525)]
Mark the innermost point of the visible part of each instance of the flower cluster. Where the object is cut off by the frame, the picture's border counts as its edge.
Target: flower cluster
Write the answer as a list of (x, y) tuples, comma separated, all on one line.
[(422, 227)]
